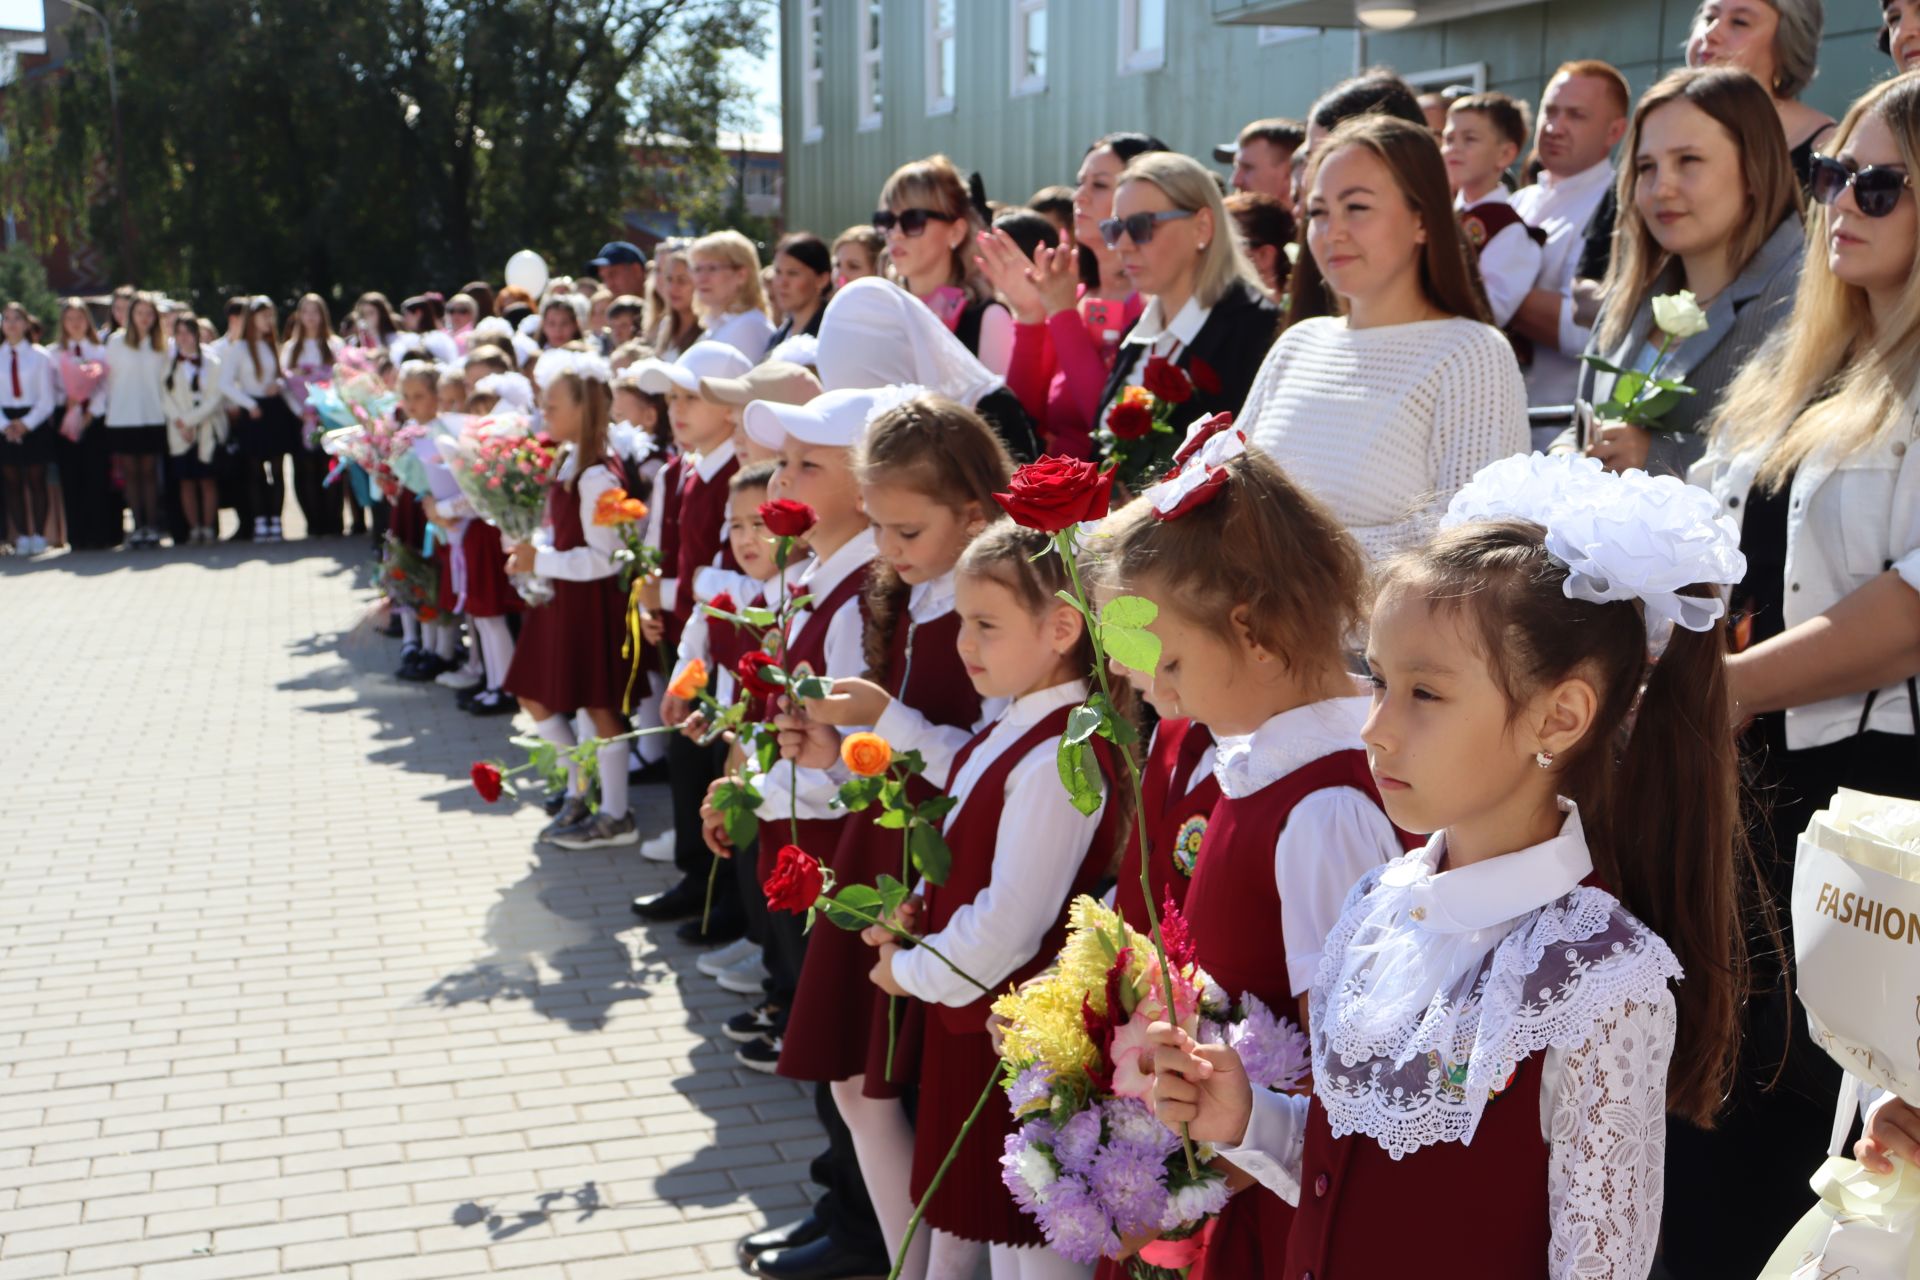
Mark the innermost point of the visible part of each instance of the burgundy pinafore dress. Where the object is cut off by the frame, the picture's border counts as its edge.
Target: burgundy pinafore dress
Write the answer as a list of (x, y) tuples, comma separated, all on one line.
[(808, 656), (569, 651), (830, 1034), (1233, 911), (698, 536), (489, 593), (957, 1054)]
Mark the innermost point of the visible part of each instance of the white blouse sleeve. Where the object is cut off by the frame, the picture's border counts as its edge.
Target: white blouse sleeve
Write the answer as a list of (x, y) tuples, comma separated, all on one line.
[(937, 744), (1041, 843), (230, 386), (1331, 839), (1479, 413), (1608, 1131), (593, 560), (1509, 264), (1273, 1150)]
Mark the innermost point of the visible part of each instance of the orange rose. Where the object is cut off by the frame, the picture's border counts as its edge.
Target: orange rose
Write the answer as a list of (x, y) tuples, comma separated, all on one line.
[(867, 754), (691, 681), (615, 507), (1137, 395)]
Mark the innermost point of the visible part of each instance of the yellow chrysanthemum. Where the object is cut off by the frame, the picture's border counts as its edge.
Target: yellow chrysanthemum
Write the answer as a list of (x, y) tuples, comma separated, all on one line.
[(1044, 1021)]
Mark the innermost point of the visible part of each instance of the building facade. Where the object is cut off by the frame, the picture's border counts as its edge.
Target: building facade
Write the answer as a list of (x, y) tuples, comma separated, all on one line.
[(1016, 89)]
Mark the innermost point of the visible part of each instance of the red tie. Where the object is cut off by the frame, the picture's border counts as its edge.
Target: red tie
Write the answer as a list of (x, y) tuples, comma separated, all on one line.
[(16, 372)]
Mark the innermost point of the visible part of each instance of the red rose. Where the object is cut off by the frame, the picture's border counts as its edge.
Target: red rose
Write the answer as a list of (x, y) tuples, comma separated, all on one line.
[(748, 670), (723, 603), (796, 881), (486, 780), (786, 518), (1166, 381), (1205, 378), (1130, 421), (1056, 493)]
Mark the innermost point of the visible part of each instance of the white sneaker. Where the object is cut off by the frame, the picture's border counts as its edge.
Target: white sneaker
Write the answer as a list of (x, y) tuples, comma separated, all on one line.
[(460, 680), (715, 963), (746, 978), (659, 848)]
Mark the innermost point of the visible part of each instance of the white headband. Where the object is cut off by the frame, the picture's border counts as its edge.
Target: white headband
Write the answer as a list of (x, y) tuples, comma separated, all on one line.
[(556, 361), (1625, 536)]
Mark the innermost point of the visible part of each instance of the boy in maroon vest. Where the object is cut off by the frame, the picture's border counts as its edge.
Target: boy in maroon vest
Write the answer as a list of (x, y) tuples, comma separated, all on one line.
[(1486, 133)]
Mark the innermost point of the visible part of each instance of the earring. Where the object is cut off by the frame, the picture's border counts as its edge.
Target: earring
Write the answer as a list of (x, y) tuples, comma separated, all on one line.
[(1544, 759), (1203, 247)]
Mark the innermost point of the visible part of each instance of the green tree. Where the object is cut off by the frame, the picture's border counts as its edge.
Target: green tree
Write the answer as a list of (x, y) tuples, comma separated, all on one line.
[(344, 145), (24, 280)]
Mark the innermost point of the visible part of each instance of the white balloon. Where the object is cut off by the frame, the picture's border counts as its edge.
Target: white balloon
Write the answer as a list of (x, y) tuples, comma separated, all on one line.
[(527, 270)]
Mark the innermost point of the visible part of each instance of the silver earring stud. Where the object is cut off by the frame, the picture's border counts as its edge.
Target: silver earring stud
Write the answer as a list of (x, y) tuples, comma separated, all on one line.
[(1544, 759)]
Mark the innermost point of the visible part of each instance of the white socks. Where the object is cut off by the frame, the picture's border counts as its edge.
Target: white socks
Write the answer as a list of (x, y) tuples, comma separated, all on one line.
[(646, 715), (556, 730), (1036, 1262), (613, 778), (948, 1257), (494, 640), (409, 625), (442, 638), (883, 1142)]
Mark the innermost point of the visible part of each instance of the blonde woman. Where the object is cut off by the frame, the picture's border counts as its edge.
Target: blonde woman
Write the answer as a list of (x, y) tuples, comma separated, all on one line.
[(1205, 307), (930, 219), (1813, 452), (727, 293)]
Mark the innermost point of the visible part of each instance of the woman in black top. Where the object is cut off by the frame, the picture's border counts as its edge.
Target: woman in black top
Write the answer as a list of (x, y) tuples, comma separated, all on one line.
[(1777, 42), (802, 281)]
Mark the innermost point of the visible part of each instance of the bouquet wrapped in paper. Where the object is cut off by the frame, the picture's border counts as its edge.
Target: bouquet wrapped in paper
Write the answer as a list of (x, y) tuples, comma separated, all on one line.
[(1089, 1162), (79, 379), (504, 470), (1856, 941)]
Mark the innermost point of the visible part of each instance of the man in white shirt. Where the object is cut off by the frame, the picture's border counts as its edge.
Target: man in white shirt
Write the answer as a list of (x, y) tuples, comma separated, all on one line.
[(1583, 115)]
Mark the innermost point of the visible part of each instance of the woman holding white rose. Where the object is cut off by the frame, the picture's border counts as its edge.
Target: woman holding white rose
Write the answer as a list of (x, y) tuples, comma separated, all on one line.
[(1812, 454), (1707, 207)]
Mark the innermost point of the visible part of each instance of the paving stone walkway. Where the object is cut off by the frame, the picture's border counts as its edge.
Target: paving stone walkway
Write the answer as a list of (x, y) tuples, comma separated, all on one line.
[(280, 996)]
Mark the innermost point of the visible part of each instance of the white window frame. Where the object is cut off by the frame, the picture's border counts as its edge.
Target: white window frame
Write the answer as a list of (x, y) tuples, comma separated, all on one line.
[(1134, 59), (812, 69), (1019, 83), (936, 37), (871, 52), (1471, 74), (1284, 35)]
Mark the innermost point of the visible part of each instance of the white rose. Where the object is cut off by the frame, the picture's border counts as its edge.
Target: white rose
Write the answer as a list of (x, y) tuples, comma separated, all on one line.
[(1679, 315)]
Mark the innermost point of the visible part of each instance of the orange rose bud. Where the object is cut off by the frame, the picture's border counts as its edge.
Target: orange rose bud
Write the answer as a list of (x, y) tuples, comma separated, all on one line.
[(615, 507), (691, 681), (866, 754)]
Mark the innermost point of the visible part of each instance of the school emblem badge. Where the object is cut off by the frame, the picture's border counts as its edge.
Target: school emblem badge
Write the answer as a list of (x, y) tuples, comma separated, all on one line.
[(1186, 844)]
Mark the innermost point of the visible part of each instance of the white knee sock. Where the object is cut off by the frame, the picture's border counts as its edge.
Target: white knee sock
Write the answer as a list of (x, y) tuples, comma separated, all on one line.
[(951, 1258), (556, 730), (1036, 1262), (442, 638), (409, 625), (883, 1142), (613, 778), (494, 639), (476, 664), (646, 715)]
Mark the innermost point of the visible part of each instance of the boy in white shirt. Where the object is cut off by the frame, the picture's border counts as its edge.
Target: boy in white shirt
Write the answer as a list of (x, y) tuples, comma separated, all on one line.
[(1486, 133)]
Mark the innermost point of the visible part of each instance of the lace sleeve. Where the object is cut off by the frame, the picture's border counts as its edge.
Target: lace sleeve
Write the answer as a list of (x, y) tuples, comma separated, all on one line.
[(1609, 1140)]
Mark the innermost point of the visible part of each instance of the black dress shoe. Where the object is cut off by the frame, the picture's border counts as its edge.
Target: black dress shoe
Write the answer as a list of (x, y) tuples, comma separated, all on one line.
[(554, 800), (820, 1259), (794, 1234), (684, 900), (720, 929), (649, 773)]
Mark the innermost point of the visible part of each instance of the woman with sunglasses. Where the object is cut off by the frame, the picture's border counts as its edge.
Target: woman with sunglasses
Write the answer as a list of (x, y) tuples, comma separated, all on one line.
[(1389, 388), (1206, 309), (1812, 452), (1708, 204), (727, 292), (929, 218), (1070, 304)]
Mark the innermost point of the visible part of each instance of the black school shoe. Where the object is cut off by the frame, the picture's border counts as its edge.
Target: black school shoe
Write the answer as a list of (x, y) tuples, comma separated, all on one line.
[(424, 668), (790, 1236), (762, 1055), (492, 702), (720, 930), (684, 900), (820, 1259), (745, 1028)]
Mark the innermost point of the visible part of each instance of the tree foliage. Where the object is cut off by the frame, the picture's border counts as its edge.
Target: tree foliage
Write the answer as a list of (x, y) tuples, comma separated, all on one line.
[(343, 145)]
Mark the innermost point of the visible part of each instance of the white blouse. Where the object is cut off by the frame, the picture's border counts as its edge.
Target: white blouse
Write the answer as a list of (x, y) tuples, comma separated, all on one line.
[(747, 332), (133, 384), (593, 559), (1041, 842), (1484, 965), (1383, 424), (249, 373), (39, 382)]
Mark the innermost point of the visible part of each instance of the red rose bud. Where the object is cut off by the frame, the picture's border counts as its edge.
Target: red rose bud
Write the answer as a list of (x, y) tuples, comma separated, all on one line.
[(1205, 378), (1057, 493), (1164, 379), (748, 670), (723, 603), (486, 780), (1130, 421), (796, 881), (786, 518)]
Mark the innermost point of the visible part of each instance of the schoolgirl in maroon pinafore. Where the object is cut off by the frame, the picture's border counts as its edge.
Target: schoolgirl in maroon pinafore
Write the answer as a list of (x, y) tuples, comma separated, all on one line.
[(568, 655)]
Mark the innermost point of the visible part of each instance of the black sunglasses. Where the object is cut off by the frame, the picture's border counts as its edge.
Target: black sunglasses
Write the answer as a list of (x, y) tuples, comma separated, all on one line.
[(1876, 188), (1138, 226), (910, 221)]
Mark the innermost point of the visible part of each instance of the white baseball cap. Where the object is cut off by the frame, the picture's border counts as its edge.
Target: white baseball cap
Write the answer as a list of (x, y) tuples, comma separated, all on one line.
[(701, 360), (835, 418)]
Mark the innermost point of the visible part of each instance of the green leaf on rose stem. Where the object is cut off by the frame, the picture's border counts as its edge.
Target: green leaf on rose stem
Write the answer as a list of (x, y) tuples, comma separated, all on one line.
[(863, 898), (931, 857), (1079, 775), (1124, 634), (1628, 385), (774, 676), (755, 616), (892, 893), (892, 819), (1604, 366), (910, 763), (1654, 406), (1082, 723), (743, 828), (811, 913), (765, 753), (1073, 600), (935, 809), (858, 793), (812, 688), (1114, 727)]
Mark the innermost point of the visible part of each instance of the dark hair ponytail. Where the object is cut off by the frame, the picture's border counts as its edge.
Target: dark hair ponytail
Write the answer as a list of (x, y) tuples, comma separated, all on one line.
[(1656, 777)]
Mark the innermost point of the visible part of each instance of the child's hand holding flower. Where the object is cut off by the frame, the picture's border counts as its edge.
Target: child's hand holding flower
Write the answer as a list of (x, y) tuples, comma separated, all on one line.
[(520, 558), (1201, 1086), (882, 975)]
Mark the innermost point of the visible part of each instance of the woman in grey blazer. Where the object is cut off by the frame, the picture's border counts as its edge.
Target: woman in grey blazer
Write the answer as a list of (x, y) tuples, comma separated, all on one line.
[(1708, 203)]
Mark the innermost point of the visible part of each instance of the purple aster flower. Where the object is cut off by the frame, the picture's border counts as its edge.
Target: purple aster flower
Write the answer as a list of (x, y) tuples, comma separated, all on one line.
[(1074, 1224), (1130, 1123), (1272, 1049), (1077, 1141), (1127, 1182), (1040, 1132), (1021, 1165), (1032, 1087)]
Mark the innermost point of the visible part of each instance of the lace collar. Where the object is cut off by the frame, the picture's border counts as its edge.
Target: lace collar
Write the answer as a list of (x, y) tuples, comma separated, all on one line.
[(1291, 740), (1434, 987)]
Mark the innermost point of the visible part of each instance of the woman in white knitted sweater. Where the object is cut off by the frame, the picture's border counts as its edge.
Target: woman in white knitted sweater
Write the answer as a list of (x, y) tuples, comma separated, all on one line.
[(1389, 389)]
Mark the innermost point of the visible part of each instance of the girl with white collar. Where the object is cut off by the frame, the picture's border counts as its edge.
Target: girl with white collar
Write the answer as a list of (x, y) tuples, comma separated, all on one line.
[(196, 426), (1489, 1019)]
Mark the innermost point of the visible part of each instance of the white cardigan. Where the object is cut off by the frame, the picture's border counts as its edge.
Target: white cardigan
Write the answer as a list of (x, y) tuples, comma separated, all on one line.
[(132, 397), (243, 385), (201, 410)]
